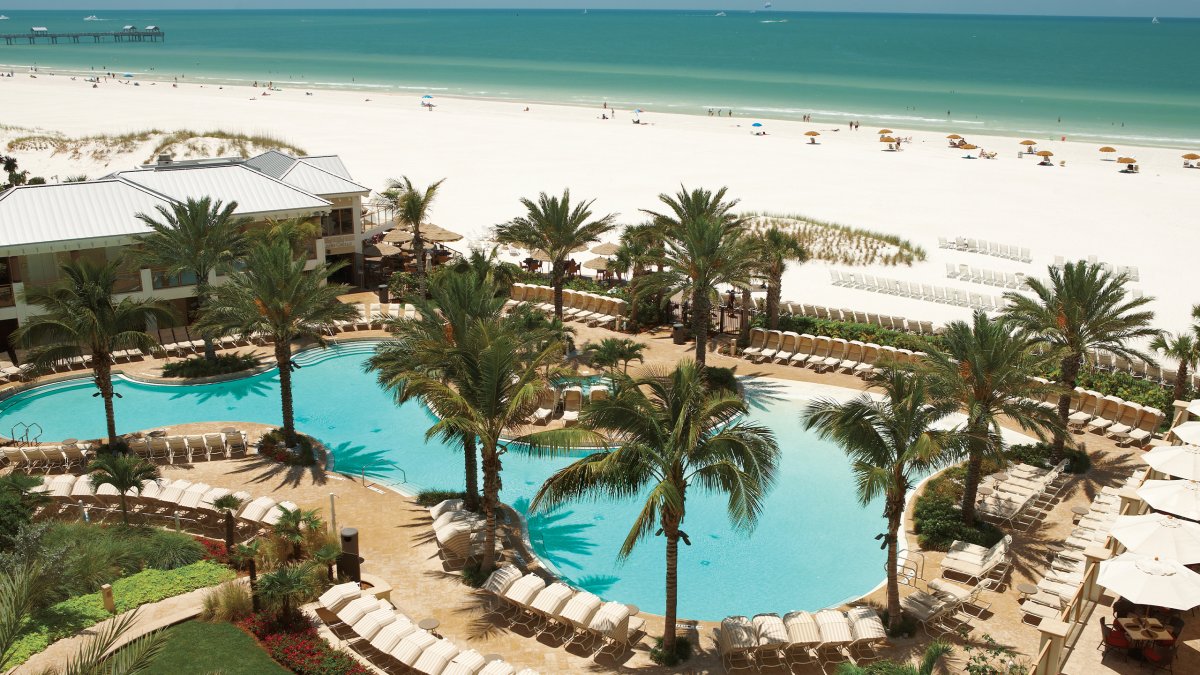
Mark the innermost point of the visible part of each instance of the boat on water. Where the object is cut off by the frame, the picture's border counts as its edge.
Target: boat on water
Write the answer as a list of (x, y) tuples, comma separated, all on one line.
[(1154, 20), (720, 14), (91, 18)]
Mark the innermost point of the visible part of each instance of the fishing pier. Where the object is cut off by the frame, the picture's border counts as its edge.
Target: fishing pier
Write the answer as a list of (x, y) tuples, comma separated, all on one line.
[(42, 35)]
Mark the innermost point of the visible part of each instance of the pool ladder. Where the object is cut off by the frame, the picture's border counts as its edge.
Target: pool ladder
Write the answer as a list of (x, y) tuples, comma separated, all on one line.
[(403, 475), (26, 429)]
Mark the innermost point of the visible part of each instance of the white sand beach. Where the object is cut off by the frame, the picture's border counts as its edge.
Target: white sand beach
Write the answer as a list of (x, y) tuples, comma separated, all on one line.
[(492, 153)]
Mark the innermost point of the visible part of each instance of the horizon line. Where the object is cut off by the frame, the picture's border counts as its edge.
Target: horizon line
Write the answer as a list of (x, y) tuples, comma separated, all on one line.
[(611, 9)]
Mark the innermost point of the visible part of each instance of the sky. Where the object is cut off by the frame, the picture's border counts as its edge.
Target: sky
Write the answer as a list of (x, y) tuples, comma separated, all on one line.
[(1165, 8)]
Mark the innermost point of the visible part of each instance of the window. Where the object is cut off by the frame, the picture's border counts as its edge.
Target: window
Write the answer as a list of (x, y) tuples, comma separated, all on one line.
[(337, 221)]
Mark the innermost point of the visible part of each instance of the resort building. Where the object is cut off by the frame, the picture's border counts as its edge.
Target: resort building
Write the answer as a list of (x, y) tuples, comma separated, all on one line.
[(42, 226)]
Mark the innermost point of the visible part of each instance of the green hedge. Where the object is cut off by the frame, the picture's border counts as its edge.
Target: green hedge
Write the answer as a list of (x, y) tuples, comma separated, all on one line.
[(198, 366), (848, 330), (75, 614)]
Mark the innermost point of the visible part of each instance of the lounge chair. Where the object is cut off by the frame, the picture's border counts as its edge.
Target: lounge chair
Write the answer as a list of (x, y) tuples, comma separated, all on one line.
[(870, 356), (469, 662), (436, 657), (1127, 420), (445, 506), (869, 633), (836, 636), (1106, 414), (853, 356), (391, 635), (774, 339), (547, 402), (787, 347), (521, 592), (572, 403), (772, 638), (409, 649), (615, 628), (837, 351), (374, 621), (822, 345), (804, 638), (737, 641), (804, 350), (598, 392), (577, 614), (1146, 428), (549, 602)]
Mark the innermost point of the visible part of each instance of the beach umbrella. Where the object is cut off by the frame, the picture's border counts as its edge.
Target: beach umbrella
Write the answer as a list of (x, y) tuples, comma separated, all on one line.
[(600, 264), (1181, 461), (606, 249), (1191, 155), (398, 236), (812, 133), (438, 234), (1145, 581), (1108, 148), (884, 132), (887, 139), (954, 137), (1180, 497), (1160, 536), (1126, 160), (1188, 432), (1044, 153), (968, 146), (380, 250), (756, 124), (1028, 142), (540, 255), (1194, 407), (426, 96)]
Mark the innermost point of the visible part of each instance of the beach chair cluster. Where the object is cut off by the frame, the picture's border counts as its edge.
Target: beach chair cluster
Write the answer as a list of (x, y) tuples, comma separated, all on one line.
[(164, 499), (588, 308), (1127, 422), (946, 606), (982, 247), (14, 373), (575, 617), (392, 640), (372, 316), (1020, 495), (1130, 271), (459, 533), (911, 289), (839, 314), (190, 448), (1111, 363), (1064, 575), (569, 400), (823, 353), (829, 636), (975, 275), (48, 458)]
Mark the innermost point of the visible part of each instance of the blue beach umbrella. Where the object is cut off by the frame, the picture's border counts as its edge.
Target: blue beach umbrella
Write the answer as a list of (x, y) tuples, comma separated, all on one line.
[(756, 124), (426, 96)]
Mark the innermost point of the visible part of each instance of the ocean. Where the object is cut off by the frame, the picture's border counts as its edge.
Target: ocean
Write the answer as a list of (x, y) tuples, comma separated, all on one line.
[(1122, 79)]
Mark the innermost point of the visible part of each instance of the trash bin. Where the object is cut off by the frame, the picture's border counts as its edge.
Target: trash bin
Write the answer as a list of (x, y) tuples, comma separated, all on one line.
[(679, 334), (383, 294)]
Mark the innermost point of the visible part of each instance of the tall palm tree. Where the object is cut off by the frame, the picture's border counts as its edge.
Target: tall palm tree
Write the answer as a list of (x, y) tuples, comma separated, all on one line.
[(1184, 347), (495, 390), (987, 369), (616, 353), (892, 443), (196, 237), (553, 225), (676, 432), (412, 209), (776, 249), (458, 300), (934, 653), (1083, 307), (123, 472), (79, 316), (276, 298)]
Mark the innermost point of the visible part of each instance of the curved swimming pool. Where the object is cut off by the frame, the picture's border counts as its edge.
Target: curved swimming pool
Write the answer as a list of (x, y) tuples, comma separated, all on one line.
[(814, 546)]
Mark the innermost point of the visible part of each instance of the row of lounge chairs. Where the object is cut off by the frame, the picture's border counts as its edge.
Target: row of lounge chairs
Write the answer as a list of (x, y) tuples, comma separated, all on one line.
[(991, 278), (589, 308), (1108, 362), (918, 291), (822, 353), (170, 449), (372, 316), (459, 533), (947, 607), (986, 248), (575, 617), (882, 320), (1021, 494), (571, 400), (374, 628), (13, 373), (799, 638), (1111, 416), (1132, 271)]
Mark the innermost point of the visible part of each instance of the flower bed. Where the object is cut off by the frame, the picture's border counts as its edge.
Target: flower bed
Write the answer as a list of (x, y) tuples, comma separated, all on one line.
[(299, 648)]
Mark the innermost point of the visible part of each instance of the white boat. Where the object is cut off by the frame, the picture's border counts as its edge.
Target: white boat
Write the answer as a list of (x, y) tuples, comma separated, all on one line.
[(1154, 20), (91, 18), (3, 18), (720, 13)]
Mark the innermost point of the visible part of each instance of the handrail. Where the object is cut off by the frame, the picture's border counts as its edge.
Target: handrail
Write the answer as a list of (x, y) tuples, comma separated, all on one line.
[(1040, 665)]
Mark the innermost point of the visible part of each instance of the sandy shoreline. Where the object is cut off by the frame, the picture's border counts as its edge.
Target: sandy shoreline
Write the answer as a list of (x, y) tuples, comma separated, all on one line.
[(494, 152)]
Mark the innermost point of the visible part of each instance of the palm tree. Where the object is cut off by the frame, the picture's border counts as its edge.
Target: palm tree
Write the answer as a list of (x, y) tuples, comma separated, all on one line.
[(124, 473), (891, 443), (276, 298), (496, 388), (615, 352), (676, 432), (1184, 348), (640, 249), (458, 300), (287, 586), (196, 237), (987, 369), (557, 228), (1082, 308), (776, 249), (294, 527), (298, 233), (934, 653), (412, 208), (79, 316), (228, 504)]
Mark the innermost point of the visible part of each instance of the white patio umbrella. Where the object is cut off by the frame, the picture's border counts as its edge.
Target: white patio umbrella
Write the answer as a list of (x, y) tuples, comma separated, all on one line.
[(1181, 461), (1194, 407), (1145, 581), (1160, 536), (1188, 432), (1180, 497)]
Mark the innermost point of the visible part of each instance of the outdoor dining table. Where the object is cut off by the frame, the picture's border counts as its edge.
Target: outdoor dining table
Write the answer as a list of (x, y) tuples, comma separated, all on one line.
[(1144, 629)]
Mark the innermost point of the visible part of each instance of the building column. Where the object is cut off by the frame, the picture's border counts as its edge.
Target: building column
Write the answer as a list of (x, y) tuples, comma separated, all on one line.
[(1053, 632), (1093, 556)]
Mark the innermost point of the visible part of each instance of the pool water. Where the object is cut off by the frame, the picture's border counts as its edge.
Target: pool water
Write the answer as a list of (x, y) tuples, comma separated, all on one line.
[(814, 546)]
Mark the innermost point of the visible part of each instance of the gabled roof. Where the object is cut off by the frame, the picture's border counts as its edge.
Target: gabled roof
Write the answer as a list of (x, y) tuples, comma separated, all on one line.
[(272, 162), (331, 163), (35, 214), (319, 176), (254, 192)]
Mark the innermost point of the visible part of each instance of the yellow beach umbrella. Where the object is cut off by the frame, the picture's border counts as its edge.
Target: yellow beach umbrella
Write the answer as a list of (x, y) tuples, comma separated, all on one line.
[(606, 249), (812, 133), (968, 146), (1191, 155), (1126, 160), (1028, 142), (883, 132), (887, 139), (1044, 153), (954, 137), (1108, 148)]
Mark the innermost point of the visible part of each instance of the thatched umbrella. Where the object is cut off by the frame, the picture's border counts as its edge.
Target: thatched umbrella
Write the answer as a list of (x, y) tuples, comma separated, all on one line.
[(954, 137), (398, 236), (606, 249), (599, 264), (381, 250)]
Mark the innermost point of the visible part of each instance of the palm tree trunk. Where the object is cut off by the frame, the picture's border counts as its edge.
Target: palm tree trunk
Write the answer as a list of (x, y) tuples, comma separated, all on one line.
[(893, 583), (971, 483), (1070, 377), (124, 510), (491, 502), (556, 279), (283, 356), (471, 469), (700, 326), (103, 377), (229, 530), (1181, 378), (210, 352), (253, 584), (418, 245), (669, 615), (744, 321), (774, 291)]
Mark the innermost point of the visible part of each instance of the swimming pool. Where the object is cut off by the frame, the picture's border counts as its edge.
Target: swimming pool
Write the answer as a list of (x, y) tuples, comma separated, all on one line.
[(813, 547)]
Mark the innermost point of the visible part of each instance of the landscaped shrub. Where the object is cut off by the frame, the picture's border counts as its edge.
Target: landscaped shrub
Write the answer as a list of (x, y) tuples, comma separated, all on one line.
[(198, 366), (430, 498), (937, 520), (273, 446), (214, 549), (88, 556), (228, 602), (298, 647), (1128, 387), (721, 379), (1038, 454), (75, 614), (847, 330), (683, 652)]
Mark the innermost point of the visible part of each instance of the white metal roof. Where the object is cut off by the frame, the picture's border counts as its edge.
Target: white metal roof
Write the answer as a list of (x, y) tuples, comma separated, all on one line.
[(272, 162), (331, 163), (255, 193), (36, 214), (320, 182)]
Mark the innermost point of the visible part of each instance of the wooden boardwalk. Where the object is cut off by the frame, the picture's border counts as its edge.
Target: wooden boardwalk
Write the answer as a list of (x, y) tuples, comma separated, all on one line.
[(34, 37)]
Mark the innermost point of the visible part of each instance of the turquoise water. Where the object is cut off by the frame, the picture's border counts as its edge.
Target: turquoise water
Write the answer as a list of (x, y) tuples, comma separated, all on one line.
[(1111, 78), (813, 548)]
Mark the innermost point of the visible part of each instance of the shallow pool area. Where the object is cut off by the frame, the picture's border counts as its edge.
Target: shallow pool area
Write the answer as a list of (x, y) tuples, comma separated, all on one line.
[(814, 546)]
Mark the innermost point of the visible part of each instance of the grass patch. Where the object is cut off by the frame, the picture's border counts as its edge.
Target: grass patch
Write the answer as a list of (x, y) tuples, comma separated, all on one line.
[(198, 648), (75, 614), (198, 366), (837, 243), (181, 141)]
